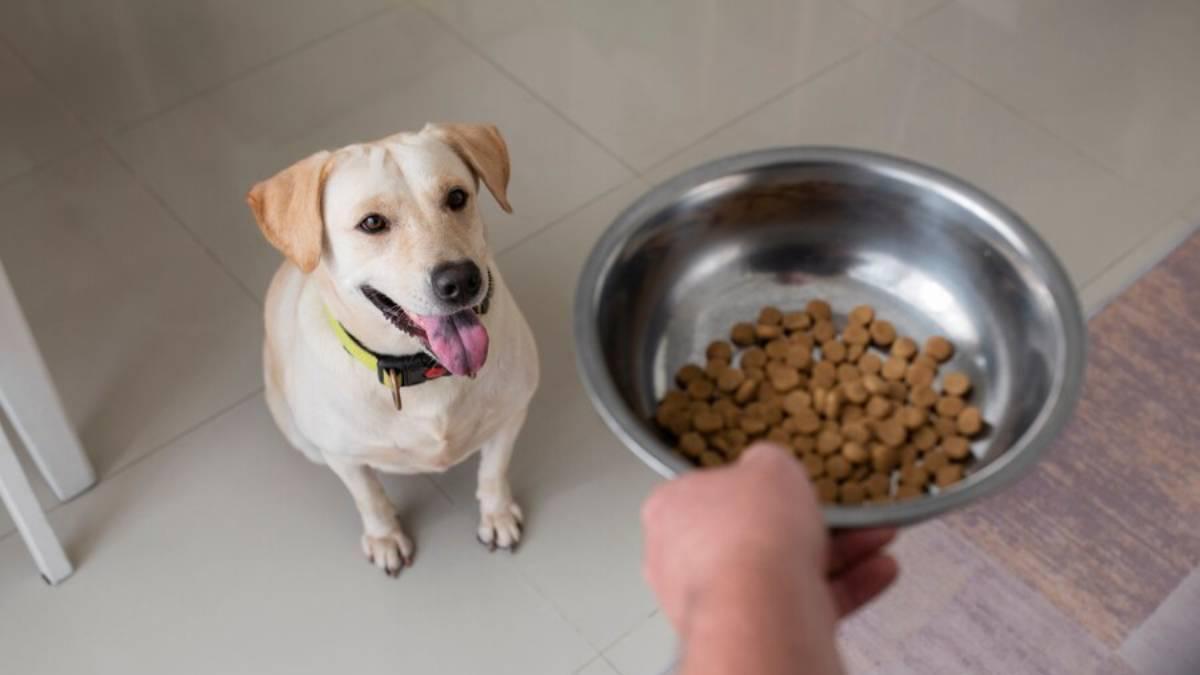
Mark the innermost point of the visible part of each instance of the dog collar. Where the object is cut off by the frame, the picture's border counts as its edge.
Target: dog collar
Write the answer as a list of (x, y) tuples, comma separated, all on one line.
[(396, 371)]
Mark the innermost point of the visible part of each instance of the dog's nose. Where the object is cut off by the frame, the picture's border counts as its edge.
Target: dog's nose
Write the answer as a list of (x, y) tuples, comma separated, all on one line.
[(457, 283)]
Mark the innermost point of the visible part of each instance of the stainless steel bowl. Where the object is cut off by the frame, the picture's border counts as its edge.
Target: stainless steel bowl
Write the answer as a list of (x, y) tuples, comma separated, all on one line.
[(931, 253)]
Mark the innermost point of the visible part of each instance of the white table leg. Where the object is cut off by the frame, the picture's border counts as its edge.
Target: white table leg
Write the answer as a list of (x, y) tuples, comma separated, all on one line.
[(31, 521), (33, 406)]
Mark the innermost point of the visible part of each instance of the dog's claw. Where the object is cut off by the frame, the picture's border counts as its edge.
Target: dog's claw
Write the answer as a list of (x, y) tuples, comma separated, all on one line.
[(500, 528)]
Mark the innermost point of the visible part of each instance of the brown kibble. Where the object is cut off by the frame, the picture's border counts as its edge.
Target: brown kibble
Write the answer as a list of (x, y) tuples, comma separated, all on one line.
[(949, 406), (897, 391), (878, 485), (756, 374), (919, 376), (777, 350), (736, 437), (883, 458), (939, 348), (852, 412), (824, 375), (746, 391), (708, 458), (714, 368), (764, 332), (779, 437), (862, 315), (753, 425), (904, 348), (798, 357), (883, 333), (773, 412), (870, 364), (819, 309), (770, 316), (688, 374), (949, 475), (854, 352), (925, 438), (856, 334), (970, 421), (804, 444), (854, 453), (807, 421), (754, 357), (824, 330), (856, 432), (914, 475), (908, 492), (708, 422), (837, 467), (675, 398), (956, 447), (926, 361), (679, 424), (854, 390), (935, 460), (847, 373), (852, 493), (945, 427), (923, 397), (878, 407), (692, 444), (833, 405), (796, 321), (833, 350), (719, 350), (891, 432), (815, 466), (784, 379), (802, 340), (956, 384), (828, 442), (913, 417), (796, 402), (827, 490), (908, 455), (701, 390), (730, 379), (894, 369), (875, 385), (742, 334)]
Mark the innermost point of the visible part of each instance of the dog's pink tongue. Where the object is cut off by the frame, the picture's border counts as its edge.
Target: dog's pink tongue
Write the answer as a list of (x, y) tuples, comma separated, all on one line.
[(459, 341)]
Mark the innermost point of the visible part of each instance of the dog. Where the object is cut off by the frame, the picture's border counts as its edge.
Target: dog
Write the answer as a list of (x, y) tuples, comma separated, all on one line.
[(392, 343)]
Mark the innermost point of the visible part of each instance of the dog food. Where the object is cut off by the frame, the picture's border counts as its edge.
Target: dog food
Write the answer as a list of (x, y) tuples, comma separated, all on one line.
[(860, 407)]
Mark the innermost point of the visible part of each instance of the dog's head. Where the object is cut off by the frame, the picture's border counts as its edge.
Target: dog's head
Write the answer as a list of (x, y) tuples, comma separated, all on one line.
[(396, 225)]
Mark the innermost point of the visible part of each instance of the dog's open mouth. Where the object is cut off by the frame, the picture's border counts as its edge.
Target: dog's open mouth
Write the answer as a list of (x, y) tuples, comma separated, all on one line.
[(458, 341)]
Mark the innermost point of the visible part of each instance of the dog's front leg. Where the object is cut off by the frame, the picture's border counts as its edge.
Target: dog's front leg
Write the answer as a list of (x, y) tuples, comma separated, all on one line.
[(383, 542), (499, 516)]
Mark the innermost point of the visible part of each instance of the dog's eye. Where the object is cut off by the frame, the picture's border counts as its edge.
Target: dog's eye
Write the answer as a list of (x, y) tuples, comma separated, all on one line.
[(373, 224), (456, 199)]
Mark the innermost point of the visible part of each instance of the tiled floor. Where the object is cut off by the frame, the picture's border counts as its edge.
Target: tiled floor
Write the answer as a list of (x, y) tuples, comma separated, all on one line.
[(130, 130)]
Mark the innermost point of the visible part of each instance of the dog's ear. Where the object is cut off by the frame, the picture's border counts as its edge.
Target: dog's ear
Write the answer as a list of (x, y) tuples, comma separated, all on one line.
[(287, 207), (483, 149)]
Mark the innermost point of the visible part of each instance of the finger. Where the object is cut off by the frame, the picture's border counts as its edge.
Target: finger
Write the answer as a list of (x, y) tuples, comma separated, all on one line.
[(851, 546), (862, 583)]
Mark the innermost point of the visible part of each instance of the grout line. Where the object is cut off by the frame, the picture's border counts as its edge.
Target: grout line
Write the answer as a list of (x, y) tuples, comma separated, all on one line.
[(1156, 252), (813, 77), (629, 631), (251, 70), (524, 87), (121, 468)]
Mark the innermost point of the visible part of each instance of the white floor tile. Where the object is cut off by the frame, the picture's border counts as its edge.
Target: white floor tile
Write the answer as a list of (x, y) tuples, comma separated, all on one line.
[(580, 488), (119, 62), (34, 128), (598, 667), (648, 79), (144, 334), (895, 13), (894, 100), (1105, 74), (396, 72), (650, 649), (228, 552)]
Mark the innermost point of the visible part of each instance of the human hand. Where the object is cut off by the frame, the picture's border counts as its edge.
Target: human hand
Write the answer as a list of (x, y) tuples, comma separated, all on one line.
[(746, 542)]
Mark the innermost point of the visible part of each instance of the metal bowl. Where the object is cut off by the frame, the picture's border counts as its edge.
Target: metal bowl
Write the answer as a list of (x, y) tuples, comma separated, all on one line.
[(932, 254)]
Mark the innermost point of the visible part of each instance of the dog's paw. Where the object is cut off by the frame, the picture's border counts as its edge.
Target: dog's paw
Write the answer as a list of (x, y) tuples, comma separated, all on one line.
[(391, 553), (500, 527)]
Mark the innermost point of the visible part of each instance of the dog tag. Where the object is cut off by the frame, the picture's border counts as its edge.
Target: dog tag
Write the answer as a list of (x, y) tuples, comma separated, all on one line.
[(393, 381)]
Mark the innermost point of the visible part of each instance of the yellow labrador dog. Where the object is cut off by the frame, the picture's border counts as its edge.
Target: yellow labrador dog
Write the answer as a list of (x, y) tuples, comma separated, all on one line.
[(392, 343)]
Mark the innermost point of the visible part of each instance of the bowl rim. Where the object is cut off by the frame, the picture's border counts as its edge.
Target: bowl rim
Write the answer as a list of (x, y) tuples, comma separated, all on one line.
[(1017, 460)]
